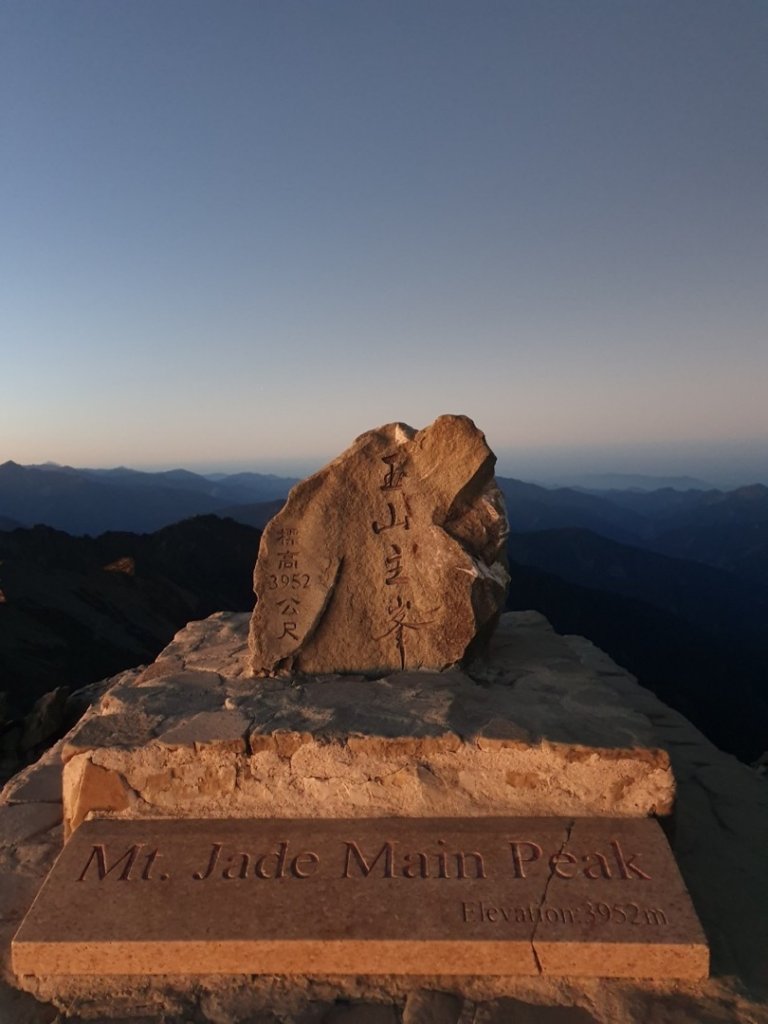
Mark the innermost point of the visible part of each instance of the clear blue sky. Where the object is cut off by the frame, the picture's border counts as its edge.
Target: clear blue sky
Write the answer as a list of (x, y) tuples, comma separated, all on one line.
[(240, 233)]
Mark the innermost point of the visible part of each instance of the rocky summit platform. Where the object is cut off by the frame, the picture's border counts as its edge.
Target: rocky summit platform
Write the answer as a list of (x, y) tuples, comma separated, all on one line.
[(719, 842), (720, 837), (527, 729)]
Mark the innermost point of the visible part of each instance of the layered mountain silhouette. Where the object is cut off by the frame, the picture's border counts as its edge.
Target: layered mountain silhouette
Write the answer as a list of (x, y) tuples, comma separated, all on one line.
[(738, 548), (531, 507), (92, 501), (672, 584), (257, 514), (712, 599), (598, 482)]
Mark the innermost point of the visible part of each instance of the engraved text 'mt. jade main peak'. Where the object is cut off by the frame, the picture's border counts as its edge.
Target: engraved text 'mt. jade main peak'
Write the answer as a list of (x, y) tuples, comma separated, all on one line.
[(391, 557)]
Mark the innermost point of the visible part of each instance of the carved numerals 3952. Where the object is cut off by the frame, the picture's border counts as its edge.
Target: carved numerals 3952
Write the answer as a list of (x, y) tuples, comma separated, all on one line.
[(296, 581)]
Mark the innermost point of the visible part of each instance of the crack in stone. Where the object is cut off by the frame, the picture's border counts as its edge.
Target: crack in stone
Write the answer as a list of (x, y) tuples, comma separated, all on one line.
[(131, 790), (197, 644), (543, 900)]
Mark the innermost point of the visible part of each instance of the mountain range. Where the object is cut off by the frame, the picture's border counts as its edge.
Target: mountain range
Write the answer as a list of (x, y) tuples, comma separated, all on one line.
[(92, 501), (672, 584), (722, 528)]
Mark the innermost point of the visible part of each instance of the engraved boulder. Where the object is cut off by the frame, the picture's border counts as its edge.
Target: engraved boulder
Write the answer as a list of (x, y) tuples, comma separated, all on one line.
[(392, 557)]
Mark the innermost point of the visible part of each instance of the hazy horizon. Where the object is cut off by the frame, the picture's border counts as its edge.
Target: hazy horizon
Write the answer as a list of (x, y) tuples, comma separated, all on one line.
[(254, 231), (730, 464)]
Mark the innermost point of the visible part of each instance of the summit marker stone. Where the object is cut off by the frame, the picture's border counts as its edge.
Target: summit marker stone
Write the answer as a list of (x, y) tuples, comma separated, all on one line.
[(392, 557)]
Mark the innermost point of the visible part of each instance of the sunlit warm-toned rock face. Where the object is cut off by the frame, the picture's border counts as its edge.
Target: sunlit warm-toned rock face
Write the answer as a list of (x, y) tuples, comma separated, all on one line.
[(390, 558)]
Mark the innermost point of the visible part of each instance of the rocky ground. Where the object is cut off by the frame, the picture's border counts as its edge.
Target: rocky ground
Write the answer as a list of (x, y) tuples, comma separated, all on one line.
[(720, 839)]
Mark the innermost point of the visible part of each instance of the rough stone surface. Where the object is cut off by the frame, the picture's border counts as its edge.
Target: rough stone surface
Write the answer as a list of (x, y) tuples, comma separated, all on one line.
[(720, 838), (95, 789), (426, 1007), (45, 718), (525, 730), (391, 557)]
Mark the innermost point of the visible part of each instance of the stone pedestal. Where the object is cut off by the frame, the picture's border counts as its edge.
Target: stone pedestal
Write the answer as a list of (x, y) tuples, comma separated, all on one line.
[(527, 730), (545, 760)]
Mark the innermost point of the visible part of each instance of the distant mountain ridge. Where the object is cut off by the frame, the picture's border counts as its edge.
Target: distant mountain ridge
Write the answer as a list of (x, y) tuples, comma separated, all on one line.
[(725, 529), (673, 584), (714, 600), (598, 482), (93, 501), (531, 507)]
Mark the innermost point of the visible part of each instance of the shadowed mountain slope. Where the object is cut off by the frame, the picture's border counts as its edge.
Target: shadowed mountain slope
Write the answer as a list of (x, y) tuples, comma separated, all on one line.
[(77, 609), (257, 515), (731, 609), (738, 548), (531, 507)]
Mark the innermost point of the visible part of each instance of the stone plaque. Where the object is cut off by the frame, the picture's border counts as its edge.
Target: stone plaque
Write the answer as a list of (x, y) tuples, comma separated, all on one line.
[(482, 896)]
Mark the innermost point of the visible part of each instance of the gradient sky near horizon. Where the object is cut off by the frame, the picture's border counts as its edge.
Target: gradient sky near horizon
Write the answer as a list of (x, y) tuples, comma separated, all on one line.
[(235, 235)]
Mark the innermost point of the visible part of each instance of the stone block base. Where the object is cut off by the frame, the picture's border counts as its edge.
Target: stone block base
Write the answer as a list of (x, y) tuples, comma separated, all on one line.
[(528, 729)]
